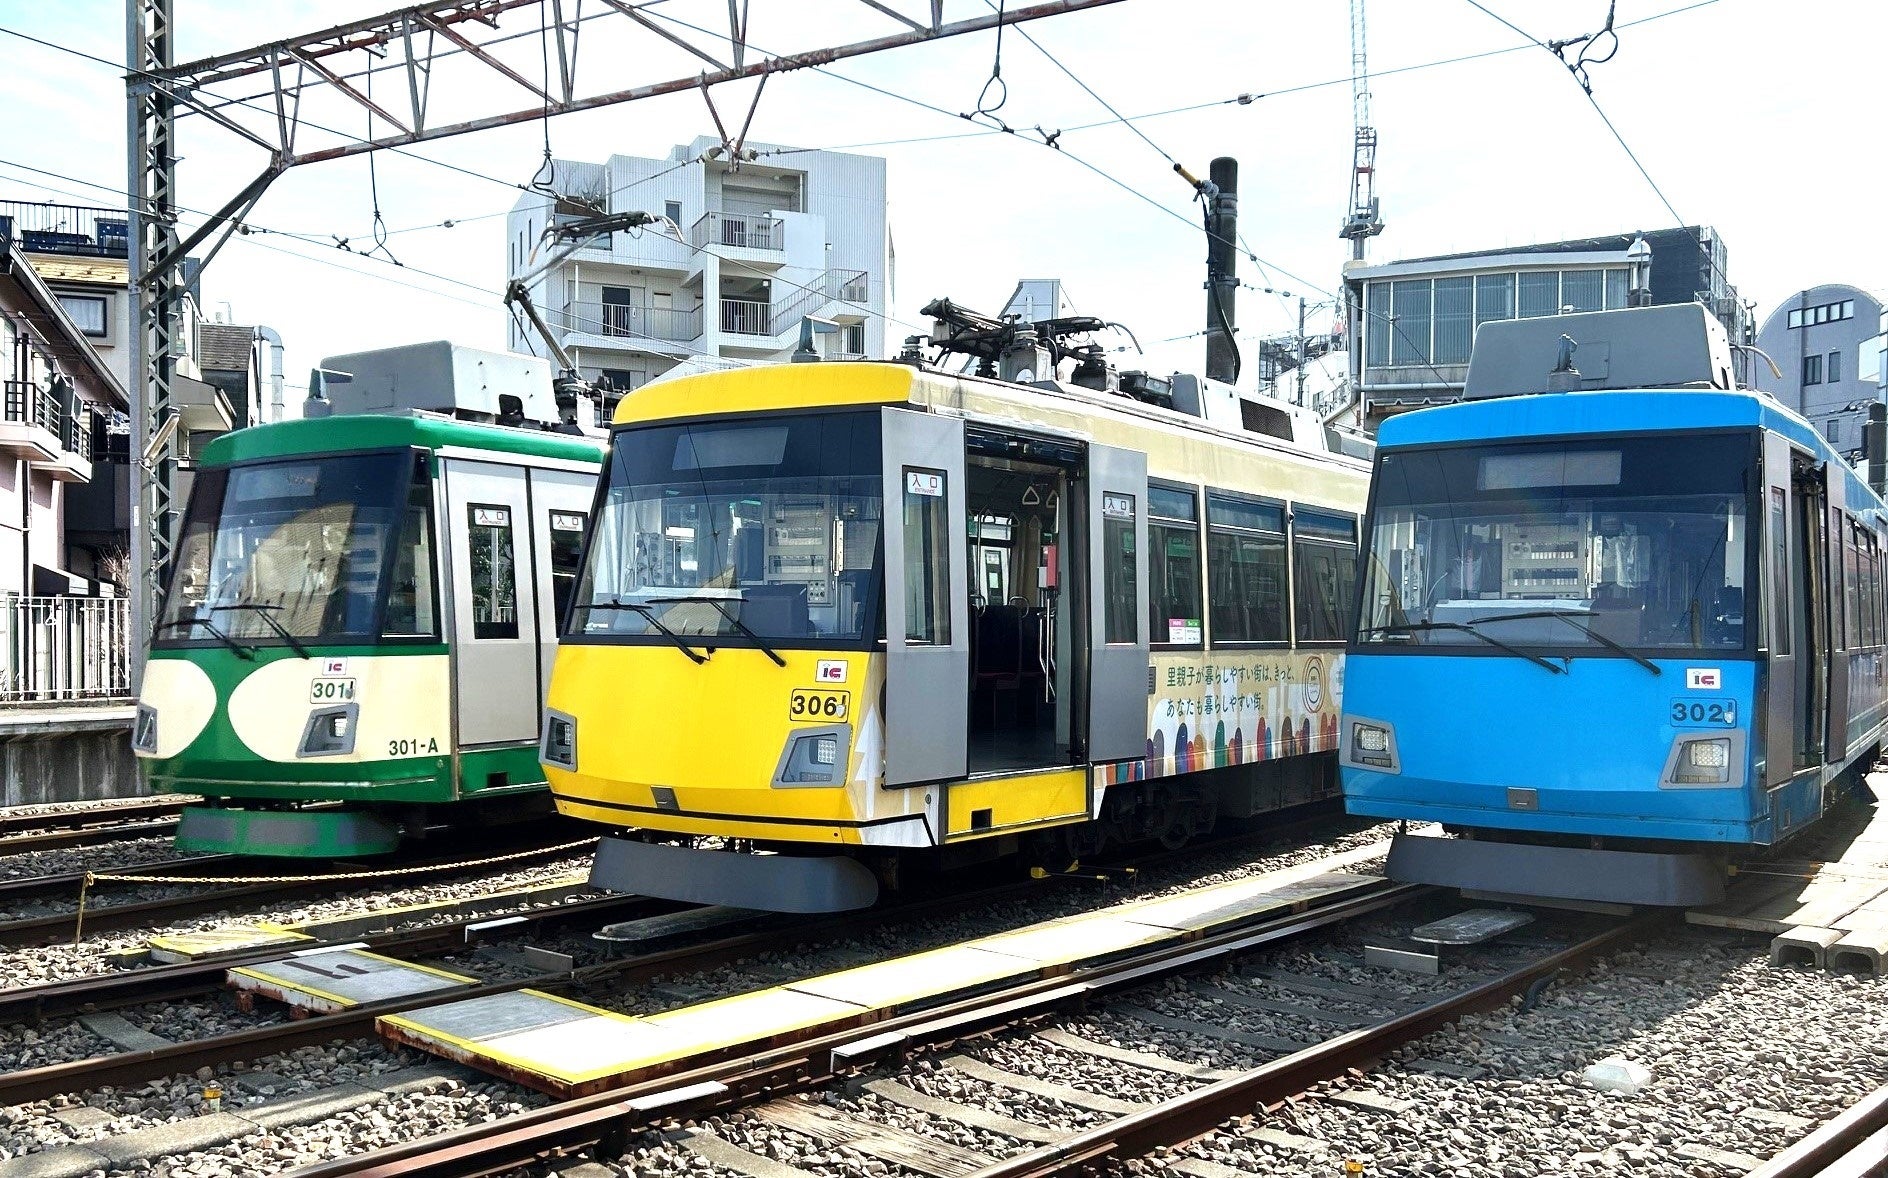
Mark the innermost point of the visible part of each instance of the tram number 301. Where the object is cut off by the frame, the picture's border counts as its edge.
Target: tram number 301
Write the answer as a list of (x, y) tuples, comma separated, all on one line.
[(418, 746), (817, 705)]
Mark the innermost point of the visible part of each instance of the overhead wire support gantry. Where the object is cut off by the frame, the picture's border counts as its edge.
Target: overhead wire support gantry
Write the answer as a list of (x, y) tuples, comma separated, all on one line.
[(474, 60)]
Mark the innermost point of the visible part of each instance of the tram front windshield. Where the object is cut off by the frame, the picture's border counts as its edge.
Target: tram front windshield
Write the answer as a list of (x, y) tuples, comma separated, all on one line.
[(1587, 545), (331, 548), (755, 528)]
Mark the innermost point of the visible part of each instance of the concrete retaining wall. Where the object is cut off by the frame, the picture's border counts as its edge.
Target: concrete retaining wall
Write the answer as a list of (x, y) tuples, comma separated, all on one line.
[(71, 755)]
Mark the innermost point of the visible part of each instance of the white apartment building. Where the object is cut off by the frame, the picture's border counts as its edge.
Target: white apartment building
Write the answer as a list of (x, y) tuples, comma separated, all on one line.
[(761, 247)]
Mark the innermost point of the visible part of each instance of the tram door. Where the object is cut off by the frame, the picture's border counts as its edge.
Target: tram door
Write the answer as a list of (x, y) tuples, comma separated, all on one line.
[(560, 505), (1118, 658), (1812, 658), (495, 618), (927, 612), (1841, 600)]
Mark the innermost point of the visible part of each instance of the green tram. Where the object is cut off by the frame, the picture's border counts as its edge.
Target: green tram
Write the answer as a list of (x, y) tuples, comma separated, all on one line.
[(359, 623)]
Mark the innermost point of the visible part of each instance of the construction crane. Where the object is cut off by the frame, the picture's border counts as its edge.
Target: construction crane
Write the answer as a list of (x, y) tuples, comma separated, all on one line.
[(1363, 221)]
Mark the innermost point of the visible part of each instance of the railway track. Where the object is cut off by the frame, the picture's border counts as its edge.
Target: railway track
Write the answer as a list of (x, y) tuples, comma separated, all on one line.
[(1851, 1145), (36, 1004), (758, 1082), (88, 826), (105, 914)]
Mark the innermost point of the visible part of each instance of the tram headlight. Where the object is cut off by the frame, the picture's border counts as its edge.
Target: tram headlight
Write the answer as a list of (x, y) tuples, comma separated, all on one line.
[(560, 741), (144, 730), (1705, 761), (1372, 745), (814, 757), (330, 731)]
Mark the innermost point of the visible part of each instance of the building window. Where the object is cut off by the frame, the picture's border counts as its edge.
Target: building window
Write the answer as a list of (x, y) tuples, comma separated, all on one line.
[(88, 311), (1833, 431), (673, 211), (1833, 371), (1455, 313), (1616, 289), (1812, 369), (1173, 564), (1540, 294), (1494, 297), (855, 339), (1377, 325), (1409, 332), (1245, 565), (1582, 290)]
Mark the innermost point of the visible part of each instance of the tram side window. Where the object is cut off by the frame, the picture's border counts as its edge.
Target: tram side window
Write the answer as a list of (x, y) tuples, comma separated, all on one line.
[(1173, 566), (1871, 561), (1119, 564), (494, 573), (1779, 572), (411, 598), (927, 558), (566, 556), (1246, 569), (1324, 573), (1853, 628)]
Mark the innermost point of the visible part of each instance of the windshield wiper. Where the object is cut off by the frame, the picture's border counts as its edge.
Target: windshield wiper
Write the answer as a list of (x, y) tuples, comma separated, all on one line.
[(721, 609), (649, 615), (1414, 627), (263, 611), (1573, 619), (242, 650)]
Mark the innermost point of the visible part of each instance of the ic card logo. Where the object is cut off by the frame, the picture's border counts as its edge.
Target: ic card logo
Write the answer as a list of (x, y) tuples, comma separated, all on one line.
[(1703, 678), (831, 671)]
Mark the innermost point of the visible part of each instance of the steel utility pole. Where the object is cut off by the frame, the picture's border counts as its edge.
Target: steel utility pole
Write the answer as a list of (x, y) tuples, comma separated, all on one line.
[(446, 67), (1222, 274), (1301, 349), (156, 292)]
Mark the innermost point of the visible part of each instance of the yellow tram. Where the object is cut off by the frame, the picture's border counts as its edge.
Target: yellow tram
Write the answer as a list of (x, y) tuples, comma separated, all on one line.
[(852, 615)]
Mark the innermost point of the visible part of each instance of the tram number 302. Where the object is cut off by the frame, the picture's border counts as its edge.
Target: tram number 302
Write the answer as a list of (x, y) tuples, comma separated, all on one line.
[(1705, 713), (817, 705)]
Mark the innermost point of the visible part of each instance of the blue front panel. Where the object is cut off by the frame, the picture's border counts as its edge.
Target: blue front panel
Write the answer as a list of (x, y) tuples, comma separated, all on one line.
[(1593, 743)]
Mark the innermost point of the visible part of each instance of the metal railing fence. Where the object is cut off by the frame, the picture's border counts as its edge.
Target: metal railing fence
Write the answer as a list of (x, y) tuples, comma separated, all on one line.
[(64, 649)]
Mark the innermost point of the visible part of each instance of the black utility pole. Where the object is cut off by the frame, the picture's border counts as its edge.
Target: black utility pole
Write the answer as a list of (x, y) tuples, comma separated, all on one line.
[(1222, 261)]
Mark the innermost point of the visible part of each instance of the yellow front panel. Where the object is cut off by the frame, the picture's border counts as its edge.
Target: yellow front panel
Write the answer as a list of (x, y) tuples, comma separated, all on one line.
[(713, 734), (1037, 799), (770, 388)]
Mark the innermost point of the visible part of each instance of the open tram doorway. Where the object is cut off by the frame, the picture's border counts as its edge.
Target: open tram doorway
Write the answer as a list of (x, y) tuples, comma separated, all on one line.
[(1025, 617)]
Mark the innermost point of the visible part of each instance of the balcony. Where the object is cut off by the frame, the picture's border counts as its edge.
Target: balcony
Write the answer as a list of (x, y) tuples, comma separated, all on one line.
[(34, 425), (65, 229), (64, 649), (616, 320), (746, 317), (739, 231)]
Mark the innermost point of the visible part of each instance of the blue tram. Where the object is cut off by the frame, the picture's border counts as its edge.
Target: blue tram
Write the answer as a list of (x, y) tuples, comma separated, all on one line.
[(1616, 631)]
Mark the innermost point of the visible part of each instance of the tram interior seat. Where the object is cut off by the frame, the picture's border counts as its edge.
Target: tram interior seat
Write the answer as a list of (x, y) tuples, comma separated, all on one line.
[(1006, 666)]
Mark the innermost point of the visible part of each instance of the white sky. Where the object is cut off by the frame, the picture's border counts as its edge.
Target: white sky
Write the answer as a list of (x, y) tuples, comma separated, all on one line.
[(1753, 116)]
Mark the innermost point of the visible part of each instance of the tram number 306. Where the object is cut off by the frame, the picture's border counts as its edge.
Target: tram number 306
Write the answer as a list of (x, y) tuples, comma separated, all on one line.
[(817, 705)]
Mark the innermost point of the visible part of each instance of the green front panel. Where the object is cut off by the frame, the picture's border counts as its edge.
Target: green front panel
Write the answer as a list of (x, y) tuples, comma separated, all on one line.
[(233, 727)]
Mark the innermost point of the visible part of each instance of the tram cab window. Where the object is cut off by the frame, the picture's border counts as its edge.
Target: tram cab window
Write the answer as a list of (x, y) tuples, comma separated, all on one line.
[(297, 547), (771, 522), (410, 593), (1557, 545), (1173, 565)]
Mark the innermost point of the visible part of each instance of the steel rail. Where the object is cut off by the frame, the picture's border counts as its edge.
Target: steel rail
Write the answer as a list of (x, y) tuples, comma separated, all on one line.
[(605, 1120), (85, 836), (36, 931), (1186, 1117), (67, 883), (165, 983), (1851, 1144), (88, 816)]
